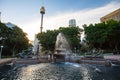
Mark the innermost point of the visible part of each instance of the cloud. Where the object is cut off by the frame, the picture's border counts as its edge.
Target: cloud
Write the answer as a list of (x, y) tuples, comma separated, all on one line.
[(85, 16)]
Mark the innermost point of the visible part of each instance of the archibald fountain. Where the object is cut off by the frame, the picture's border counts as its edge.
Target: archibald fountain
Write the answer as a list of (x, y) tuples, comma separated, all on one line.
[(62, 51), (59, 71)]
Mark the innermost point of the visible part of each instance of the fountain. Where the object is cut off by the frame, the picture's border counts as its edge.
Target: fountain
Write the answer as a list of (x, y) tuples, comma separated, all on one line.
[(62, 49), (59, 71)]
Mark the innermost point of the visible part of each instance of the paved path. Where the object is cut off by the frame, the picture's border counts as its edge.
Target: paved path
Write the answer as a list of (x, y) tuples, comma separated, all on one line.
[(25, 61), (114, 57), (5, 61)]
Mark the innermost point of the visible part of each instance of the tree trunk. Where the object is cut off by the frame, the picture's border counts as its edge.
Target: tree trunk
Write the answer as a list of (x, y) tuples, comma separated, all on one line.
[(13, 51)]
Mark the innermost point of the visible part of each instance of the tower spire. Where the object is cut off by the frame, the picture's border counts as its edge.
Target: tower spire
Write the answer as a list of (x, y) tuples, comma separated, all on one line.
[(42, 11)]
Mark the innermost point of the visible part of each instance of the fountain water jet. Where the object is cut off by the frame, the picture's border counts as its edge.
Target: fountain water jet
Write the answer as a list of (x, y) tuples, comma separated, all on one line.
[(62, 49)]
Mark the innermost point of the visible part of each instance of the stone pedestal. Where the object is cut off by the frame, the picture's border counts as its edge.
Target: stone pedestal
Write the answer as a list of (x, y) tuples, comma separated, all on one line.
[(59, 57)]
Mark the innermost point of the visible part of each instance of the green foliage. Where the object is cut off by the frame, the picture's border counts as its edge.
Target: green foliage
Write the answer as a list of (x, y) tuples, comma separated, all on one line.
[(48, 39), (96, 34), (73, 35), (14, 39), (103, 35), (4, 31), (18, 37)]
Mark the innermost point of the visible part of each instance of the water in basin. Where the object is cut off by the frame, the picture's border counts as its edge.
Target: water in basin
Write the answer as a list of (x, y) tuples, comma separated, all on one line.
[(59, 71)]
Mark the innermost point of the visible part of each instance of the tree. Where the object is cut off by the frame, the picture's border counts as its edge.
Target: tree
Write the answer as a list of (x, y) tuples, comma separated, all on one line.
[(114, 33), (4, 31), (48, 39), (96, 34), (4, 35), (73, 35), (18, 40), (104, 35), (15, 39)]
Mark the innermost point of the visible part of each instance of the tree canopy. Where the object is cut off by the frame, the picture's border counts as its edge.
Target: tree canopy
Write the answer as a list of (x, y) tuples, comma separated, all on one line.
[(73, 34), (104, 35), (13, 39), (48, 39)]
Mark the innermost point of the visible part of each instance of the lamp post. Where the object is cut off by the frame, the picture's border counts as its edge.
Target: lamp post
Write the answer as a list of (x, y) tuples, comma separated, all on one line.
[(42, 11), (1, 51), (75, 50)]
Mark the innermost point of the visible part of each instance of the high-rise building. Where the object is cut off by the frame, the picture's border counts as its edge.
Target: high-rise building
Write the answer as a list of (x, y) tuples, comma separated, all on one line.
[(72, 23), (115, 15), (0, 17), (10, 25)]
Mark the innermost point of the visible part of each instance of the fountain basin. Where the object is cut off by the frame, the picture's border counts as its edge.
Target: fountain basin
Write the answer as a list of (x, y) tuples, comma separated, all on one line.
[(59, 71)]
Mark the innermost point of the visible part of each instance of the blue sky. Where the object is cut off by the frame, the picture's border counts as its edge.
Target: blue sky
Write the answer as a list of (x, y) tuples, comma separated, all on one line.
[(26, 13)]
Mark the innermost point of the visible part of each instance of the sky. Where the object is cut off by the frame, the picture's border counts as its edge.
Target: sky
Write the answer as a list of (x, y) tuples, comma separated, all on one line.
[(26, 13)]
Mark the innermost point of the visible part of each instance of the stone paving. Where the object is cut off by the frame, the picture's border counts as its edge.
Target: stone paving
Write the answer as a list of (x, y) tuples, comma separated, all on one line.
[(8, 60), (4, 61), (25, 61), (113, 57)]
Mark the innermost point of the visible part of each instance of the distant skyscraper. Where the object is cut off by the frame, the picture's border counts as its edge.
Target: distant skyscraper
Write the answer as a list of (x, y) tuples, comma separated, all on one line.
[(72, 23), (0, 17), (10, 25)]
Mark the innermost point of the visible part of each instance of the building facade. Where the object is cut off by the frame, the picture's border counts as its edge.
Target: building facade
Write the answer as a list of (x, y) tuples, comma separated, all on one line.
[(10, 25), (72, 23), (115, 15), (37, 46)]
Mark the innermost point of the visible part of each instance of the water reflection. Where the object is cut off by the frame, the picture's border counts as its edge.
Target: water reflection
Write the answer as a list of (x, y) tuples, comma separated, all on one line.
[(59, 71)]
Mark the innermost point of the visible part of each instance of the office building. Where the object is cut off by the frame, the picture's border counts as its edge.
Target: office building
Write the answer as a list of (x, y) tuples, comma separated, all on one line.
[(72, 23), (10, 25), (115, 15)]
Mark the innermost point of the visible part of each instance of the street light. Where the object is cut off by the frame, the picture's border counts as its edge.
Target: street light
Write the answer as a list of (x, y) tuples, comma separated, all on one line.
[(75, 50), (1, 51), (42, 11)]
